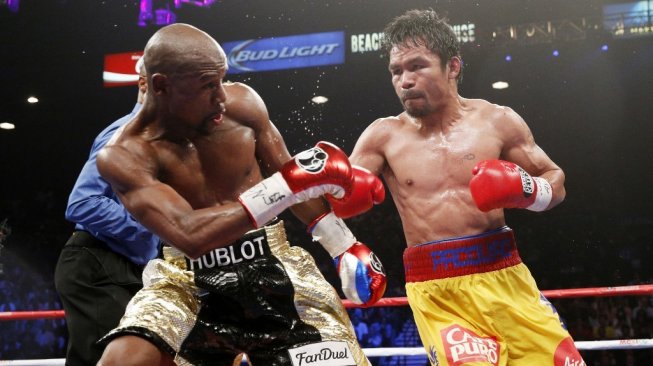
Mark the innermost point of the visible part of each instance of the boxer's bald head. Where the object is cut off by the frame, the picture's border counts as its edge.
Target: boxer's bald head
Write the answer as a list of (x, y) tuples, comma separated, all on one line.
[(181, 48)]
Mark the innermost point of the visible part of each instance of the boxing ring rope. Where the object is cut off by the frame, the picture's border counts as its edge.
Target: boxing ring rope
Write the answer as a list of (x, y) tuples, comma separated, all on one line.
[(550, 294), (397, 301), (404, 351), (30, 315), (619, 344), (401, 351)]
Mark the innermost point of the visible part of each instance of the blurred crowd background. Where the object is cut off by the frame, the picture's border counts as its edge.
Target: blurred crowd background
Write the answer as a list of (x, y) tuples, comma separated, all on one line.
[(582, 84), (38, 232)]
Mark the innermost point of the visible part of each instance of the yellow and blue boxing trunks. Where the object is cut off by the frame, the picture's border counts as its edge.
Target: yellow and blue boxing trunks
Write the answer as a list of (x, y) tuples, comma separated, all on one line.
[(476, 303), (258, 296)]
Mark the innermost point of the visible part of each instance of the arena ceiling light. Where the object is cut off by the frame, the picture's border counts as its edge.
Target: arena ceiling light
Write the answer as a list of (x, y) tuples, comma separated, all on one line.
[(500, 85), (7, 126), (32, 100), (319, 99)]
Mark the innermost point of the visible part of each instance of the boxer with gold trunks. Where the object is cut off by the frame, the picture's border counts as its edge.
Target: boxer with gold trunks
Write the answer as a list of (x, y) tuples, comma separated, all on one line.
[(203, 167), (258, 296)]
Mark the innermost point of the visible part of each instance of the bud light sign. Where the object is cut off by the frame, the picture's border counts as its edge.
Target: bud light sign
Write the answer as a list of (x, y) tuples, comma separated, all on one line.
[(279, 53)]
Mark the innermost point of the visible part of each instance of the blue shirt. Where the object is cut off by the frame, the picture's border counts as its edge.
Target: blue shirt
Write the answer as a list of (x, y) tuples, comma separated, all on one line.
[(95, 208)]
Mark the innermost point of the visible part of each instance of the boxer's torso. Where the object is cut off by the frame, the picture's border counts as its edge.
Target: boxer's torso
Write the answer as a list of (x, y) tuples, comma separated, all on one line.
[(428, 170)]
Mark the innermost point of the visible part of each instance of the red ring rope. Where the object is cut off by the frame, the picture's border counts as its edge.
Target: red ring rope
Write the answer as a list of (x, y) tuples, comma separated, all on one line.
[(396, 301), (550, 294)]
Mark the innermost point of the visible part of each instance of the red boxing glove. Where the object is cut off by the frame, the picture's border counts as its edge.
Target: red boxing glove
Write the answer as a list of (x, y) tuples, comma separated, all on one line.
[(321, 166), (361, 273), (367, 190), (502, 184), (323, 169)]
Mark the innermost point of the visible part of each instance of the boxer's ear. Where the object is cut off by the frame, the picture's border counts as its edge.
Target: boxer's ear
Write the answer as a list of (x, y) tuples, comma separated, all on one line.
[(159, 83), (455, 65)]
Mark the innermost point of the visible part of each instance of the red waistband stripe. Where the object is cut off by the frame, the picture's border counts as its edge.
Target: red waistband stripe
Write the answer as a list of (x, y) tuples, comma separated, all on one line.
[(486, 252)]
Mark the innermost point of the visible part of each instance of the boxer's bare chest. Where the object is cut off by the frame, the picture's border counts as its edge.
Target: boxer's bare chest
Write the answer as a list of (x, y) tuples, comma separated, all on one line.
[(438, 161), (211, 169)]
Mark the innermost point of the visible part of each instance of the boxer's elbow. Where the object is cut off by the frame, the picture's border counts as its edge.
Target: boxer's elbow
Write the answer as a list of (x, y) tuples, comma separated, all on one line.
[(189, 246), (559, 191)]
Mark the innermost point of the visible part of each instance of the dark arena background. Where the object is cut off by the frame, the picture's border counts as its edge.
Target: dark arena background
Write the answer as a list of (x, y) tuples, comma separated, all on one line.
[(580, 73)]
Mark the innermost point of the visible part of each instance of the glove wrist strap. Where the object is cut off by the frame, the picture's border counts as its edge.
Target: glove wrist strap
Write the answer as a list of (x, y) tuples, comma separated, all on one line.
[(543, 195), (332, 233), (268, 198)]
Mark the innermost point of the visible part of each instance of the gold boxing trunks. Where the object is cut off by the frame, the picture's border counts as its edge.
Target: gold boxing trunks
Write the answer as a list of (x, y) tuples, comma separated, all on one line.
[(476, 303), (258, 296)]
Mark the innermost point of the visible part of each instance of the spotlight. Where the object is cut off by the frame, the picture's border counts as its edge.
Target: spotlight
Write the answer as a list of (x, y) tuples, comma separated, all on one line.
[(604, 48), (556, 53), (32, 100), (508, 58), (500, 85), (7, 126), (318, 99)]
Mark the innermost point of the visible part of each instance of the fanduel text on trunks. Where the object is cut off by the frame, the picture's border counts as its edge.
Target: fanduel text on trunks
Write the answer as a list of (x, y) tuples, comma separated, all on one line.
[(233, 254), (330, 353)]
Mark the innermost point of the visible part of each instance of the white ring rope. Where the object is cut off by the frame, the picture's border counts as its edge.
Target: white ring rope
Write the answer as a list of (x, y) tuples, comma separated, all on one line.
[(404, 351), (43, 362), (582, 346)]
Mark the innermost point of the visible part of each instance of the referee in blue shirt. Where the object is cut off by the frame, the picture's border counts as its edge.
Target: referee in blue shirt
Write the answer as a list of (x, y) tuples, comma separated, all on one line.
[(100, 267)]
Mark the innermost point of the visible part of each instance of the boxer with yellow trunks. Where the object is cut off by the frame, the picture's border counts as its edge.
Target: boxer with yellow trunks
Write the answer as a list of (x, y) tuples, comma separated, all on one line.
[(458, 291), (453, 165)]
